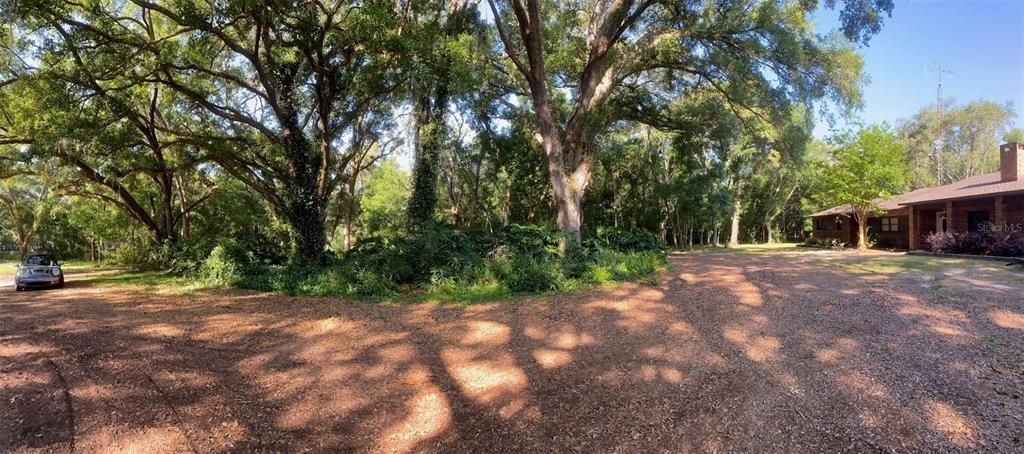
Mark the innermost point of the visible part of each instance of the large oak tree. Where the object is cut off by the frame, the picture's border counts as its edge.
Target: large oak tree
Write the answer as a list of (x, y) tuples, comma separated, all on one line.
[(588, 64), (114, 145), (269, 90), (286, 80)]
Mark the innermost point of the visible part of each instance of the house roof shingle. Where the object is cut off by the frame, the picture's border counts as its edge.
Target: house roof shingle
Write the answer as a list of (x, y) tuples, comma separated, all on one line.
[(989, 184), (976, 186), (892, 203)]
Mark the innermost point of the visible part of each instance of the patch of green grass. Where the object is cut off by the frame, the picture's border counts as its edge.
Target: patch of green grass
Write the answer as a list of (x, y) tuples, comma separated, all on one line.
[(75, 265), (467, 295), (748, 249), (919, 264), (891, 264), (149, 281), (463, 294)]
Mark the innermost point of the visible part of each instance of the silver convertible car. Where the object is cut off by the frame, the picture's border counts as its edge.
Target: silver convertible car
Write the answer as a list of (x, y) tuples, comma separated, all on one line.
[(38, 270)]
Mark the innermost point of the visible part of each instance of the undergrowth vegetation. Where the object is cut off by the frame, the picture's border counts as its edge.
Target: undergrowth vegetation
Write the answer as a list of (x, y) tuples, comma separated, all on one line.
[(438, 261), (828, 243), (1003, 244)]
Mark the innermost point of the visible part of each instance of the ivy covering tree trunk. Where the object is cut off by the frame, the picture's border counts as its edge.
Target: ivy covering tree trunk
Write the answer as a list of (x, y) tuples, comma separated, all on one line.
[(432, 94), (304, 205), (430, 137)]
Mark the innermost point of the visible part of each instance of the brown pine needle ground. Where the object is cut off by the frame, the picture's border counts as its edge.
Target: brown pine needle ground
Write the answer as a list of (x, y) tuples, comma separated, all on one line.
[(756, 351)]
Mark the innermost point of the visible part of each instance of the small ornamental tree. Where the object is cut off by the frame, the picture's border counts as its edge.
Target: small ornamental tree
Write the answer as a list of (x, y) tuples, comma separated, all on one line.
[(865, 167)]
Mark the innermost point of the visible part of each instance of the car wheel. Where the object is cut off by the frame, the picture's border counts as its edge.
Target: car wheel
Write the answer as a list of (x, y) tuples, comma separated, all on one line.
[(60, 283), (17, 288)]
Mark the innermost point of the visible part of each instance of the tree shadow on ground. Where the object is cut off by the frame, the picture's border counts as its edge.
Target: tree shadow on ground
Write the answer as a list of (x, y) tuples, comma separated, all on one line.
[(753, 353)]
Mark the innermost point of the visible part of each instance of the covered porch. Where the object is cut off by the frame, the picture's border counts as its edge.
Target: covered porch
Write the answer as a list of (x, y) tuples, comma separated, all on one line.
[(969, 215)]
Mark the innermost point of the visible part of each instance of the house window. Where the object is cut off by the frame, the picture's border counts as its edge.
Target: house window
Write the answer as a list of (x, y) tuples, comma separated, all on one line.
[(874, 225), (839, 224), (890, 224), (975, 219), (820, 224)]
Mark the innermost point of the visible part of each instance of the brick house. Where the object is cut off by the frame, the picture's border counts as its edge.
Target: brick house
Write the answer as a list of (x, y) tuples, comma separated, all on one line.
[(993, 201)]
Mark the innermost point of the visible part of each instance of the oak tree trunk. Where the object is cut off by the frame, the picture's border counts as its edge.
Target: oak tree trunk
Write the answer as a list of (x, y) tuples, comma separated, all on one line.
[(166, 207), (184, 215), (350, 214), (304, 202), (734, 227), (307, 223), (430, 123), (431, 131), (568, 185)]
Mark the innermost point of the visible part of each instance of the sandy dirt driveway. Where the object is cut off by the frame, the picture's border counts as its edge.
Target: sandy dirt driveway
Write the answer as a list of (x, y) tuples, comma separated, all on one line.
[(756, 353)]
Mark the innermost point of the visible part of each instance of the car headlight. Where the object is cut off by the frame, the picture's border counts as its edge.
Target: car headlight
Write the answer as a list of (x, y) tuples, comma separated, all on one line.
[(55, 271), (20, 272)]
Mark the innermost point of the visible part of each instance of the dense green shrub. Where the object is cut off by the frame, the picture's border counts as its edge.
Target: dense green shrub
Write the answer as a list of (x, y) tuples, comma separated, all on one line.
[(632, 266), (526, 240), (221, 268), (142, 255), (265, 279), (438, 251), (598, 274), (624, 240), (387, 257), (607, 265), (432, 253), (523, 273), (368, 284), (259, 246), (247, 248), (332, 280), (444, 261), (188, 258), (576, 262)]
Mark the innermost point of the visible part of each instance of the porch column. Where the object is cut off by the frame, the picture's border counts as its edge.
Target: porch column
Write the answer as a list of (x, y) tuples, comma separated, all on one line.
[(1000, 212), (950, 226), (914, 225)]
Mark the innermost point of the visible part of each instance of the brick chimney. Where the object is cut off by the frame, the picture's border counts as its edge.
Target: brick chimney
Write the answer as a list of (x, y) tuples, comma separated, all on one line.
[(1011, 161)]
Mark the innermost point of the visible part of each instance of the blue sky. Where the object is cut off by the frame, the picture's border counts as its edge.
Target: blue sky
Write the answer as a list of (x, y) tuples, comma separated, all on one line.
[(981, 41)]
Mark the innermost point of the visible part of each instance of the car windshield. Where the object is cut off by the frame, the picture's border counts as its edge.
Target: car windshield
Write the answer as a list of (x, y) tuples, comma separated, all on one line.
[(39, 260)]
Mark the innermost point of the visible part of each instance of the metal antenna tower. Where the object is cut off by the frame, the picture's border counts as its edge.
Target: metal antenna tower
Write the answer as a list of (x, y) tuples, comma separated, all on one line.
[(939, 136)]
